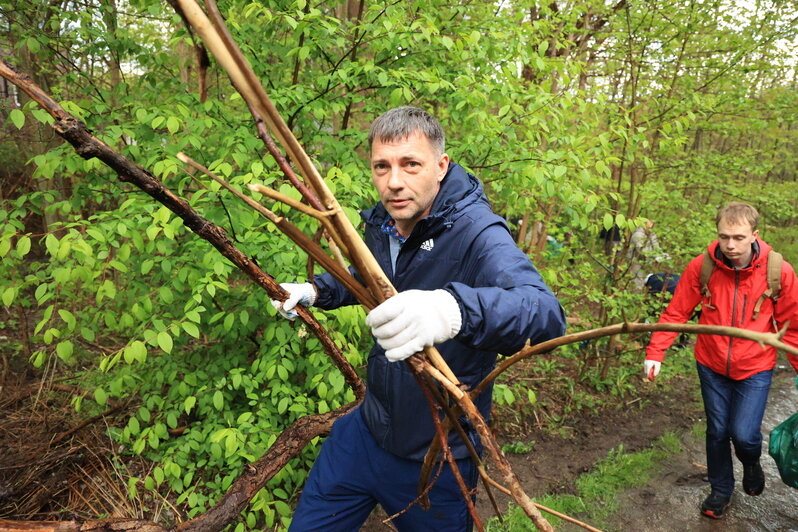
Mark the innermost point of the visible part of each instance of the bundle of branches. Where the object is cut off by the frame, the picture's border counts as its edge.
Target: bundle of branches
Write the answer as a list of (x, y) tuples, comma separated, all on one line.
[(433, 374)]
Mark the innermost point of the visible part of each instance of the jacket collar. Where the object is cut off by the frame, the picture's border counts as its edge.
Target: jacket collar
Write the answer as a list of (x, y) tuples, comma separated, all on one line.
[(759, 247)]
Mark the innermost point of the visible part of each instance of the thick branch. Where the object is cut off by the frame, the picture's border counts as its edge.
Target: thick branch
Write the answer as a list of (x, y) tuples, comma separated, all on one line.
[(772, 339)]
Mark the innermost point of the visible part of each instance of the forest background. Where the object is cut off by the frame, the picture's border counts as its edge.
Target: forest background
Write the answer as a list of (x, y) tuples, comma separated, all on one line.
[(578, 117)]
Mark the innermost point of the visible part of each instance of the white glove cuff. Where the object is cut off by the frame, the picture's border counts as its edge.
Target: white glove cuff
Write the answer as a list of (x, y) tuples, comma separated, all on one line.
[(449, 311), (309, 294)]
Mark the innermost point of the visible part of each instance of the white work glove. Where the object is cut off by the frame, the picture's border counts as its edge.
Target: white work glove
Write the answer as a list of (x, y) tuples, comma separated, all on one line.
[(651, 370), (410, 320), (298, 294)]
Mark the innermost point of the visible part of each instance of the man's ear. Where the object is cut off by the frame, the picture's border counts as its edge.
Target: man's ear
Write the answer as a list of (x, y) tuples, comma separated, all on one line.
[(443, 166), (756, 233)]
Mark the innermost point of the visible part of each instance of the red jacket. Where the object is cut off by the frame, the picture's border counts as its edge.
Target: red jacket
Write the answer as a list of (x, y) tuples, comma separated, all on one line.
[(734, 294)]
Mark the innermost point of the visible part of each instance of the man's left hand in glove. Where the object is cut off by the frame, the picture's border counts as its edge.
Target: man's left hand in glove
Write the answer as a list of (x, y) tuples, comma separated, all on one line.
[(407, 322)]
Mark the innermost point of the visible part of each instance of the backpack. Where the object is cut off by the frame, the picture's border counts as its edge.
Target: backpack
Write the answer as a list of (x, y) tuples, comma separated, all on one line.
[(774, 279)]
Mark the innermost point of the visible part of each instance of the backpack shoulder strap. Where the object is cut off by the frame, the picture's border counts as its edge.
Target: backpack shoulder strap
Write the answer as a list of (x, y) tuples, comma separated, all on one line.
[(774, 273), (707, 267), (774, 280)]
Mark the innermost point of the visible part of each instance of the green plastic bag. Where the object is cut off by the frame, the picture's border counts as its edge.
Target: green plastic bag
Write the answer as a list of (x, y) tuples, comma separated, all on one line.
[(783, 447)]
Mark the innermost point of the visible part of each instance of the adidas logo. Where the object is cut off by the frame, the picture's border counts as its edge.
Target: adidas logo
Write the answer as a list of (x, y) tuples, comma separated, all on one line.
[(427, 245)]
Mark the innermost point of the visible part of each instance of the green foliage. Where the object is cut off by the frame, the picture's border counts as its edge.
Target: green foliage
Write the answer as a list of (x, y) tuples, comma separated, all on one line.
[(518, 447)]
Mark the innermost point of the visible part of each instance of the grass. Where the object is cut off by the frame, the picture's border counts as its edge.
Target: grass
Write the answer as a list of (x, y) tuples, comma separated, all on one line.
[(595, 498)]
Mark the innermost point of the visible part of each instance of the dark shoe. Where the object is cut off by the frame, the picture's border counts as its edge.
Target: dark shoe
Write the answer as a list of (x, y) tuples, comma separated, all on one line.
[(753, 479), (715, 505)]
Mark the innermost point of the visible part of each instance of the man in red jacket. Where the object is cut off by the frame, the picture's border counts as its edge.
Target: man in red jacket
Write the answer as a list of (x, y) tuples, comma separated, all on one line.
[(735, 374)]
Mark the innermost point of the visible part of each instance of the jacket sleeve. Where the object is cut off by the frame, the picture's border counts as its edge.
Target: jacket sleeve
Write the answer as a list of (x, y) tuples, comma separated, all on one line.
[(331, 293), (508, 303), (685, 299), (786, 310)]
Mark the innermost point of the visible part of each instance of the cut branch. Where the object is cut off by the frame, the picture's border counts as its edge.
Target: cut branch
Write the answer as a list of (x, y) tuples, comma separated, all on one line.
[(771, 339)]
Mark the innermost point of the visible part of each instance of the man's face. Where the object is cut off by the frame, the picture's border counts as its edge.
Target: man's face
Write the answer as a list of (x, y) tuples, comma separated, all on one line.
[(407, 174), (735, 242)]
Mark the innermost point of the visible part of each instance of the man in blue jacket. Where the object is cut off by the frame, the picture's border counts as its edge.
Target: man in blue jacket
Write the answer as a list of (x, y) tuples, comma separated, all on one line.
[(463, 286)]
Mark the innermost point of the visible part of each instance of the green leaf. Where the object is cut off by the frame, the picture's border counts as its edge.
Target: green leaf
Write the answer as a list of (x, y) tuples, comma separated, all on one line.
[(189, 403), (282, 405), (100, 396), (64, 350), (87, 334), (608, 221), (23, 246), (5, 245), (68, 318), (33, 45), (173, 124), (138, 350), (146, 266), (542, 47), (17, 118), (128, 355), (38, 358), (218, 400), (533, 399), (165, 341), (51, 243), (191, 329), (8, 295)]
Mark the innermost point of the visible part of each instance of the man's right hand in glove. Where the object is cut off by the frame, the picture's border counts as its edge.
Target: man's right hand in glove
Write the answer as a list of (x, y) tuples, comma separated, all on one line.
[(298, 294)]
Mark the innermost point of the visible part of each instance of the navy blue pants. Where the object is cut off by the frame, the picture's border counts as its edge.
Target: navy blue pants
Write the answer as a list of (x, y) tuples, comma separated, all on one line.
[(353, 474), (734, 412)]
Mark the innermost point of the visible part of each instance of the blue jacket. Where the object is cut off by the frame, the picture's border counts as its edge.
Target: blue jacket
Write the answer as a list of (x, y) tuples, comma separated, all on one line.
[(466, 249)]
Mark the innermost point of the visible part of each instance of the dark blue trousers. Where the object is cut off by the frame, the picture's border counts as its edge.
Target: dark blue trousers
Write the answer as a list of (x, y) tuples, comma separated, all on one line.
[(353, 474), (734, 411)]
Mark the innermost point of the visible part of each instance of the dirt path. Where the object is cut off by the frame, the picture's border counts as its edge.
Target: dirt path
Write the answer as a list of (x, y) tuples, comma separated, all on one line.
[(670, 502)]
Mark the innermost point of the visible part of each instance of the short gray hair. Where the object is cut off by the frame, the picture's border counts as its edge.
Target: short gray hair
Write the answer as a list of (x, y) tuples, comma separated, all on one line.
[(400, 122)]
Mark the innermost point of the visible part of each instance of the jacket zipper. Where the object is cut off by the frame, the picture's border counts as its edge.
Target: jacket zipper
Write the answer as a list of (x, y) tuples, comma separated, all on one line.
[(733, 316), (745, 305)]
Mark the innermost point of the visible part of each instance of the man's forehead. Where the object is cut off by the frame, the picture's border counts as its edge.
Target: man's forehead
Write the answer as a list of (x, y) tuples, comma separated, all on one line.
[(726, 227)]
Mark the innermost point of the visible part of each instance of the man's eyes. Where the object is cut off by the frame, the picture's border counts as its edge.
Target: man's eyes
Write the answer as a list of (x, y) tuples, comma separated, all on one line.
[(383, 166)]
